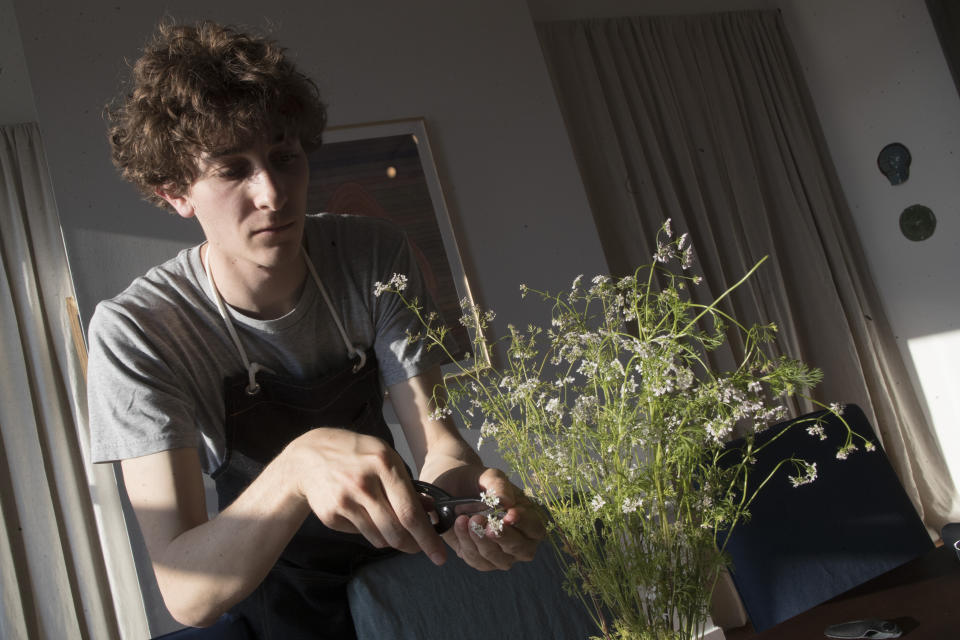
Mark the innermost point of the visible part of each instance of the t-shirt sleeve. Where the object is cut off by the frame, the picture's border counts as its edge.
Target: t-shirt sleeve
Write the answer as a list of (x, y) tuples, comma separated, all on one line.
[(135, 405), (399, 357)]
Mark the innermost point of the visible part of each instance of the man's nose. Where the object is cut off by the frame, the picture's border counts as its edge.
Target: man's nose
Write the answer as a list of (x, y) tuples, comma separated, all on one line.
[(269, 191)]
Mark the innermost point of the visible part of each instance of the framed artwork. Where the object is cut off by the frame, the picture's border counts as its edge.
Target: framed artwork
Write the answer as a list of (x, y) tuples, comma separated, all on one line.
[(386, 170), (945, 15)]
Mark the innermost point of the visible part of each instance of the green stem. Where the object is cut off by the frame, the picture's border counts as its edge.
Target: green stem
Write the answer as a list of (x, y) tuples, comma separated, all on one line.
[(713, 304)]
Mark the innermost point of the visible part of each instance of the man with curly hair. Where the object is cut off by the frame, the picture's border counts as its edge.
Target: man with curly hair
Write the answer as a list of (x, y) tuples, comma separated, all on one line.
[(260, 357)]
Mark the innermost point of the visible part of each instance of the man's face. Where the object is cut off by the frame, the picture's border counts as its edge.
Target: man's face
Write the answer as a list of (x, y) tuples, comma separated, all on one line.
[(251, 203)]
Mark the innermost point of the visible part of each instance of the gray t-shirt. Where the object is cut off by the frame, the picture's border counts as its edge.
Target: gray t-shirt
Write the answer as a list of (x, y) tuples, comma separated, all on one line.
[(160, 351)]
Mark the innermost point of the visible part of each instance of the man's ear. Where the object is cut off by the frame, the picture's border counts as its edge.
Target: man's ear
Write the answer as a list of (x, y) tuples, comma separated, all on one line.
[(181, 204)]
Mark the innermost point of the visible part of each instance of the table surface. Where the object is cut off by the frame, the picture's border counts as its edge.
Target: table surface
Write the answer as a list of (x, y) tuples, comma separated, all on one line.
[(921, 596)]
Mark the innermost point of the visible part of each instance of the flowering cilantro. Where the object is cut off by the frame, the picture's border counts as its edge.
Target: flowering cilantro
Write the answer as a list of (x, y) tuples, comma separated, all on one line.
[(615, 421)]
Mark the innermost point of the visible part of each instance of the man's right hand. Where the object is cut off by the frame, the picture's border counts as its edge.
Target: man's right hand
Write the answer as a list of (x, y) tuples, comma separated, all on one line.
[(356, 483)]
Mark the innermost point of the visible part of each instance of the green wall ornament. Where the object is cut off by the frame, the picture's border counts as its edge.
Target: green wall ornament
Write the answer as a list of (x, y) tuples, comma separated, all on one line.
[(917, 222)]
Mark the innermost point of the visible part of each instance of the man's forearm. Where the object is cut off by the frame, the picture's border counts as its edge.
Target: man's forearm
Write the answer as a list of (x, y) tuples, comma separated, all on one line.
[(353, 482), (204, 567), (436, 444), (446, 453)]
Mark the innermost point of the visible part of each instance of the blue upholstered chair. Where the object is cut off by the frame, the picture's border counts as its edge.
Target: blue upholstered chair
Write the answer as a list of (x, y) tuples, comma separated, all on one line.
[(950, 533), (407, 598), (805, 545)]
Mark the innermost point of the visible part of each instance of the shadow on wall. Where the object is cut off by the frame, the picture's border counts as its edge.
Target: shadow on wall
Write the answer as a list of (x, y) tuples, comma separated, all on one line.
[(98, 275)]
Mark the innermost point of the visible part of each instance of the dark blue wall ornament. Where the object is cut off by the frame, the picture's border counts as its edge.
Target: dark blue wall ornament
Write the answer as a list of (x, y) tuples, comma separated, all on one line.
[(894, 162)]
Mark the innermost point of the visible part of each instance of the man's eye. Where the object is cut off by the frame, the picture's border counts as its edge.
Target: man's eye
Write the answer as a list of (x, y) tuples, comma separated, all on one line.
[(232, 172), (286, 159)]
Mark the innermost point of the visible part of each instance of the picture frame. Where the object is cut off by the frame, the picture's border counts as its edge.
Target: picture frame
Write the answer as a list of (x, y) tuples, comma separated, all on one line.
[(945, 15), (387, 170)]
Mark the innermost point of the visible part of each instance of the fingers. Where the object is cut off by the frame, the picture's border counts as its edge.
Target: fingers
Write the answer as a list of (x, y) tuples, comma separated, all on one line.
[(414, 524), (516, 542), (521, 513), (527, 519), (395, 518), (358, 484), (480, 553), (373, 516), (357, 521)]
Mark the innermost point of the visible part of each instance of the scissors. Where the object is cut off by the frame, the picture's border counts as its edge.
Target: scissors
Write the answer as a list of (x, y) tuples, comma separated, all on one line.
[(449, 508), (874, 629)]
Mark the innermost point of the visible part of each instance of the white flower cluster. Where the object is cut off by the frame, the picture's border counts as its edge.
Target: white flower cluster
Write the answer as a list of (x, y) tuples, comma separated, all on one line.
[(397, 283), (598, 283), (440, 413), (557, 462), (520, 390), (584, 408), (719, 428), (666, 376), (553, 406), (630, 505), (487, 430), (494, 520), (495, 524), (597, 503), (676, 249), (491, 499), (473, 317), (844, 452), (808, 476), (817, 430), (735, 404)]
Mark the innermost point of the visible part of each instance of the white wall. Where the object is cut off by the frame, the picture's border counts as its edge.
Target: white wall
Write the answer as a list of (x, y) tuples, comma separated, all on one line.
[(16, 97), (877, 75)]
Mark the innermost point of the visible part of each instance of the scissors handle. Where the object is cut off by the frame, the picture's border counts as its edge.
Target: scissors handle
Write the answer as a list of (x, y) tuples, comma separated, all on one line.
[(449, 508), (431, 490)]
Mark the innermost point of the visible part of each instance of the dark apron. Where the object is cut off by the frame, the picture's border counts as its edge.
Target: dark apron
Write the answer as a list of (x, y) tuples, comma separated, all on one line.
[(304, 595)]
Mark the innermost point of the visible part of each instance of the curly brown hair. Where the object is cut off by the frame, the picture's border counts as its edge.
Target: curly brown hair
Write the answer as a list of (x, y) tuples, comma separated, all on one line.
[(205, 88)]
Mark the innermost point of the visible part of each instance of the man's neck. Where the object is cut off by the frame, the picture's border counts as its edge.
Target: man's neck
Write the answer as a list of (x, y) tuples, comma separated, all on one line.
[(260, 292)]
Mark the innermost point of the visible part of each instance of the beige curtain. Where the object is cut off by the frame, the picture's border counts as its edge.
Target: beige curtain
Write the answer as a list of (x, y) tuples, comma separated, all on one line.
[(55, 573), (707, 120)]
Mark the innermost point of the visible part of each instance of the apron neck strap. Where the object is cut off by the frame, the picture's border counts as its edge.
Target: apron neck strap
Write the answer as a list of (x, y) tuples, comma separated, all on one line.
[(254, 367), (353, 349)]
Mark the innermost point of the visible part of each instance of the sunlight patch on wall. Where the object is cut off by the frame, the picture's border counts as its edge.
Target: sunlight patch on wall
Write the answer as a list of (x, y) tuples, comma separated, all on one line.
[(937, 361)]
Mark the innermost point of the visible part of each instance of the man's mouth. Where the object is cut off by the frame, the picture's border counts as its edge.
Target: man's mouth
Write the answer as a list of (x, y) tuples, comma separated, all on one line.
[(278, 228)]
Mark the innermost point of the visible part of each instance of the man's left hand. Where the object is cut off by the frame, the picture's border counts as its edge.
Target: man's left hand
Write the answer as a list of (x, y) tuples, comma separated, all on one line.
[(523, 527)]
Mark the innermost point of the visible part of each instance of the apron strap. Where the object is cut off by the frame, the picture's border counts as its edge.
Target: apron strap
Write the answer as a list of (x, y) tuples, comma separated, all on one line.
[(252, 367), (255, 367), (351, 348)]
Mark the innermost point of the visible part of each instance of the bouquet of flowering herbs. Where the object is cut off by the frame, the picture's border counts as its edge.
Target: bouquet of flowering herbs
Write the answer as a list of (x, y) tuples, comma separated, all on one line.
[(615, 423)]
